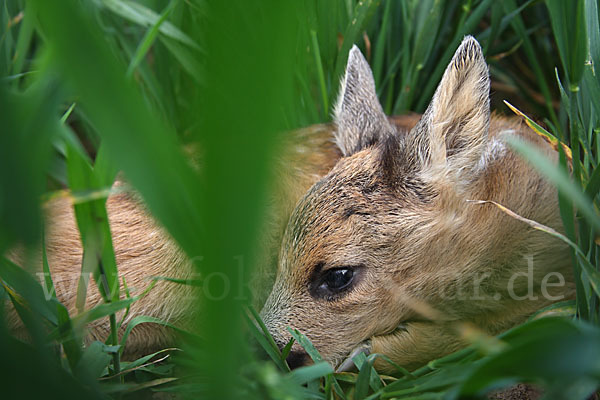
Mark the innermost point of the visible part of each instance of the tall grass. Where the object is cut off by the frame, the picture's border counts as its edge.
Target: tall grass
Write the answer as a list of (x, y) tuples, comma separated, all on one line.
[(91, 88)]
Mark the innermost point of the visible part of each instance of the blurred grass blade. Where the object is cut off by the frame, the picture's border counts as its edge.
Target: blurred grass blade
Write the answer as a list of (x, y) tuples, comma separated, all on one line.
[(148, 39), (592, 274), (146, 17), (101, 311), (267, 343), (105, 172), (558, 177), (29, 289), (68, 337), (188, 62), (265, 331), (25, 149), (67, 113), (309, 373), (128, 388), (378, 57), (122, 131), (560, 309), (552, 337), (129, 366), (316, 357), (321, 74), (23, 40), (142, 319), (94, 360), (92, 221), (367, 375)]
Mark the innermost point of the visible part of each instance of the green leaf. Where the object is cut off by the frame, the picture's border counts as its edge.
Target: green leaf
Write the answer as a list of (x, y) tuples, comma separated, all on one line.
[(592, 274), (287, 348), (319, 67), (558, 177), (569, 27), (23, 40), (94, 360), (25, 149), (135, 387), (267, 343), (553, 349), (141, 319), (105, 170), (519, 27), (187, 60), (306, 344), (316, 357), (593, 33), (128, 367), (92, 221), (48, 284), (146, 17), (69, 338), (148, 39), (472, 20), (309, 373), (560, 309), (101, 311), (362, 12), (367, 375), (27, 287), (593, 185)]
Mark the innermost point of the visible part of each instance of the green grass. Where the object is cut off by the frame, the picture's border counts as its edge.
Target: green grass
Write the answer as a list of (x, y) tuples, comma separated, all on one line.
[(90, 88)]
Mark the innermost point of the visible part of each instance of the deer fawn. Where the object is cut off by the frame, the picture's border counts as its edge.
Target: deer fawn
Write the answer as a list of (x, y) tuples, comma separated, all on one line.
[(382, 251), (143, 249), (385, 254)]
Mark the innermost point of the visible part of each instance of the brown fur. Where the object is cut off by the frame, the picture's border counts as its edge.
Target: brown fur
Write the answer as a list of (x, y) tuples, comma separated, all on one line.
[(143, 249), (395, 212), (394, 208)]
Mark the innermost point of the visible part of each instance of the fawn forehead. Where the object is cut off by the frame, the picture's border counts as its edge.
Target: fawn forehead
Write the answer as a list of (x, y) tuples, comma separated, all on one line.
[(367, 186)]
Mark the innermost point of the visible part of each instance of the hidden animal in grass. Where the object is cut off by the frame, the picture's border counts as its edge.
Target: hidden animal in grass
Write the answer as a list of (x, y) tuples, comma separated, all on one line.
[(144, 250), (377, 245), (394, 252)]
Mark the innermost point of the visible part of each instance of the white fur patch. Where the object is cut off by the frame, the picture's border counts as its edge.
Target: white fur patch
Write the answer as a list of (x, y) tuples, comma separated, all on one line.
[(494, 149)]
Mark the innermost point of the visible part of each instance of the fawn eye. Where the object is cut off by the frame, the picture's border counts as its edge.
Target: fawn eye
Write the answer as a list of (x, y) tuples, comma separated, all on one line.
[(336, 280), (332, 283)]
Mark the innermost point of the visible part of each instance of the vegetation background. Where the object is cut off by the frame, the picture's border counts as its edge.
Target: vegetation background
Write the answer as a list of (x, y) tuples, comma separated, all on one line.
[(92, 87)]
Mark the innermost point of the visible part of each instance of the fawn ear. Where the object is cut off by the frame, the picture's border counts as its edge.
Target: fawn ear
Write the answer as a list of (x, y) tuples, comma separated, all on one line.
[(454, 128), (359, 118)]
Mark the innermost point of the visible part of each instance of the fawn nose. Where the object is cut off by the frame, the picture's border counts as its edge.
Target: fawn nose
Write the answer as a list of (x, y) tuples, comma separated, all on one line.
[(297, 359)]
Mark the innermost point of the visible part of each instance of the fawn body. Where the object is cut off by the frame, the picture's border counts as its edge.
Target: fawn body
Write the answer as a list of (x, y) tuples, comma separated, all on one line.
[(382, 252)]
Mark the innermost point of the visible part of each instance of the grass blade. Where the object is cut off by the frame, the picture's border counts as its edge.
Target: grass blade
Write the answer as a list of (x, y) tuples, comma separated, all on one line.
[(592, 274), (309, 373), (146, 17), (148, 39), (558, 177)]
